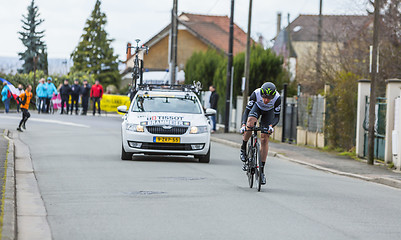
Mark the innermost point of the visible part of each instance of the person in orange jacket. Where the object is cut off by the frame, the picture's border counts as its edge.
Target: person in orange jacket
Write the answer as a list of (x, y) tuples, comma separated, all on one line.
[(24, 100), (96, 96)]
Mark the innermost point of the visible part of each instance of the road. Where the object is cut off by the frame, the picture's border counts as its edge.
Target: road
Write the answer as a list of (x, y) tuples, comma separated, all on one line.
[(89, 193)]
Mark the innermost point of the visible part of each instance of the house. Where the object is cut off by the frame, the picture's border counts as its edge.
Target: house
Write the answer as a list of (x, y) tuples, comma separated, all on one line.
[(338, 31), (195, 33)]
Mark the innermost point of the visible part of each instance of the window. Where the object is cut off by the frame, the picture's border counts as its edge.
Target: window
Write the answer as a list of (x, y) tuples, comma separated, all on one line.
[(184, 104)]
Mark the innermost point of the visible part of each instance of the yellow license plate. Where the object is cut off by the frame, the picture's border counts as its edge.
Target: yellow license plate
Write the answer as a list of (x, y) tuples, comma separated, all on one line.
[(166, 139)]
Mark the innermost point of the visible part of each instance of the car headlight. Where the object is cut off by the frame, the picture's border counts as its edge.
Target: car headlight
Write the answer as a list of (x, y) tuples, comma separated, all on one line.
[(198, 129), (134, 127)]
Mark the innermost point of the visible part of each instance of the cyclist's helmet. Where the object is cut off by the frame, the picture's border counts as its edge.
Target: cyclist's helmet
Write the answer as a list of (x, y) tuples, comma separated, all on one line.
[(268, 90), (49, 79)]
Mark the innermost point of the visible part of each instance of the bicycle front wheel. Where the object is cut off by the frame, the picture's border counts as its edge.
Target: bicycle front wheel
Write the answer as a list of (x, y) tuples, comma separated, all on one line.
[(250, 172), (258, 173)]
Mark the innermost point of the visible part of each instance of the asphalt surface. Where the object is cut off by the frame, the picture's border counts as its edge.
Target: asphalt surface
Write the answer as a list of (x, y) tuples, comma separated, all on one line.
[(89, 193), (324, 160)]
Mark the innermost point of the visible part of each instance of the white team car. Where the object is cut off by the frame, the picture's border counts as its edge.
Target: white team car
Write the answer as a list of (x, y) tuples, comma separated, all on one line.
[(166, 122)]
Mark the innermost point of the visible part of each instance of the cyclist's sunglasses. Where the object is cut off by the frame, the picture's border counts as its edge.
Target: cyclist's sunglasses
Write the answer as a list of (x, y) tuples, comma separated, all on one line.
[(269, 96)]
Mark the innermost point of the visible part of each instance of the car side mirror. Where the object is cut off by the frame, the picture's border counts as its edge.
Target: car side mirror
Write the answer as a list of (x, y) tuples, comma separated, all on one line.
[(210, 112), (122, 109)]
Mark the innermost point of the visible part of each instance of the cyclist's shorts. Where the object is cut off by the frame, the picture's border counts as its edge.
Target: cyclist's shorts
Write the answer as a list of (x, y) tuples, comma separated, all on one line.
[(265, 120)]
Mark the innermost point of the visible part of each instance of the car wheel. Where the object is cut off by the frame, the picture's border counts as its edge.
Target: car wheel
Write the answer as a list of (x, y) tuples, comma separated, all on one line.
[(205, 158), (125, 155)]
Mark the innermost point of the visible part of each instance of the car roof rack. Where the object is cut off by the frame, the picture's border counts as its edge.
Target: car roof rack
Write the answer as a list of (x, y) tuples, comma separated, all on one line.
[(195, 87)]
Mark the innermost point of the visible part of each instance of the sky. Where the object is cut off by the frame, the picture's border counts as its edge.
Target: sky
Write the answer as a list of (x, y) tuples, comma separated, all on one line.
[(132, 19)]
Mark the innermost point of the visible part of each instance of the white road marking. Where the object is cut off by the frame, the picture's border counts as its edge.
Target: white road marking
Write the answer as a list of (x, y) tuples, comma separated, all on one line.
[(49, 121)]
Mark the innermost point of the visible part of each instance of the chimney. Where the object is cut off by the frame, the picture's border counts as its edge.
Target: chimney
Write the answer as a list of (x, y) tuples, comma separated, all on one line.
[(288, 19), (261, 40), (278, 23), (128, 51)]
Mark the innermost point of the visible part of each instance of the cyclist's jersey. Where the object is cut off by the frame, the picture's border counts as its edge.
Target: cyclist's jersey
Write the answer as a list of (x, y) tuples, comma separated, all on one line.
[(256, 98)]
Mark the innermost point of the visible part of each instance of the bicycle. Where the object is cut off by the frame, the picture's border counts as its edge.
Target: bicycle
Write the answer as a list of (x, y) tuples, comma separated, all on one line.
[(40, 104), (51, 107), (137, 70), (254, 162)]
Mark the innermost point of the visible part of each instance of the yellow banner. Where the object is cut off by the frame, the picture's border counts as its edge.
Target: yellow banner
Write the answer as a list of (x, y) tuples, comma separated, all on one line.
[(109, 102)]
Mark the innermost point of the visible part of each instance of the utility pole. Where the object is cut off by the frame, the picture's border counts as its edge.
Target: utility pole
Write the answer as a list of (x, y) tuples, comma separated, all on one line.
[(374, 75), (284, 97), (229, 69), (247, 58), (319, 45), (35, 61), (173, 43)]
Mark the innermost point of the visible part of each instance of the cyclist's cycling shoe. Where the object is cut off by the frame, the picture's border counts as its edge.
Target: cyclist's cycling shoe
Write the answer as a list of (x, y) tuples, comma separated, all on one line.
[(242, 155), (262, 179), (245, 167)]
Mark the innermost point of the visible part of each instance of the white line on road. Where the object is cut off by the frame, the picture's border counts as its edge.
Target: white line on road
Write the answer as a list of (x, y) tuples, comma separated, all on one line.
[(49, 121)]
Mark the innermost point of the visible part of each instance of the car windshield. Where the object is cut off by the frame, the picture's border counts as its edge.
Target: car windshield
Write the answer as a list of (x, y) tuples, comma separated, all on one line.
[(181, 104)]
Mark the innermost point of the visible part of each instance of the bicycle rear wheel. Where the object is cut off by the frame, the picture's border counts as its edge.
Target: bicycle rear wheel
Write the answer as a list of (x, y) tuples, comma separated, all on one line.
[(258, 172)]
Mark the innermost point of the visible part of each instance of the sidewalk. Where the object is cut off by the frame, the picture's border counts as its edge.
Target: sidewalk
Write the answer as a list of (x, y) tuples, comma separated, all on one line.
[(8, 219), (320, 160)]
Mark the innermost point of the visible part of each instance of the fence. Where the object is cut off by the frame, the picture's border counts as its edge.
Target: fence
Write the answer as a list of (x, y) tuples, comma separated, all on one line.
[(311, 112), (380, 128), (291, 121)]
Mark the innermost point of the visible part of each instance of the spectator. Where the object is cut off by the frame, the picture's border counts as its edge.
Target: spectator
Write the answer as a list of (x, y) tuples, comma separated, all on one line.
[(25, 99), (75, 91), (6, 96), (19, 90), (85, 91), (214, 98), (50, 90), (65, 92), (41, 93), (96, 95)]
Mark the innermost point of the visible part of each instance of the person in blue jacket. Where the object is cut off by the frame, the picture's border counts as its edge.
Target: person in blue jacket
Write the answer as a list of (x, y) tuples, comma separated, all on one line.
[(50, 90), (6, 96), (41, 93)]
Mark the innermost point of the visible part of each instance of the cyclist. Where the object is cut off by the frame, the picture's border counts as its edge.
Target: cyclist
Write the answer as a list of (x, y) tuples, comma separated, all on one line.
[(266, 102)]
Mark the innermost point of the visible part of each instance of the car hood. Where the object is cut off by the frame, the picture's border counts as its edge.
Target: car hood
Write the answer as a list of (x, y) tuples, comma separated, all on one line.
[(173, 119)]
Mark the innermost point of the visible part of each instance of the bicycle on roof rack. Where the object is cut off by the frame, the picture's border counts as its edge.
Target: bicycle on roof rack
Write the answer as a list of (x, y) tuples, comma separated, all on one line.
[(137, 70), (194, 87)]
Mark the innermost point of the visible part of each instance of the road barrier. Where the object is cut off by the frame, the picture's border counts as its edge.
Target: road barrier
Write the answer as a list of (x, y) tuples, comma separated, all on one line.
[(110, 102)]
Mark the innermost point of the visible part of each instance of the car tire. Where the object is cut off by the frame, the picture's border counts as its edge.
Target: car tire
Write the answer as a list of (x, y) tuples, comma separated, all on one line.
[(125, 155), (205, 158)]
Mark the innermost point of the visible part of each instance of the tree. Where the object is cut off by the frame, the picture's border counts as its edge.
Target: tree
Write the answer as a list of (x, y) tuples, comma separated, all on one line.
[(201, 66), (94, 54), (342, 98), (390, 39), (32, 40), (265, 66), (210, 67)]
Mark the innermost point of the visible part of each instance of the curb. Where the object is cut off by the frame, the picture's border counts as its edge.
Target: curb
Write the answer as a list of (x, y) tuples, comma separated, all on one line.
[(381, 180), (10, 214)]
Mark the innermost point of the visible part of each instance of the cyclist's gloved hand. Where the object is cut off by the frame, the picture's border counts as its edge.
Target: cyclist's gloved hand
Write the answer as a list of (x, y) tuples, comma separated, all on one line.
[(270, 130), (242, 130)]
